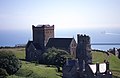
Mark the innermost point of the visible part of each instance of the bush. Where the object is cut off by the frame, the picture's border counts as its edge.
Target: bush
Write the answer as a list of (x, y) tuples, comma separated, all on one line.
[(55, 56), (9, 62), (3, 73)]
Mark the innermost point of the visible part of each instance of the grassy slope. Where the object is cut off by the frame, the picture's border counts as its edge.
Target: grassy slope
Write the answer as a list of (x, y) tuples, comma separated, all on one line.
[(114, 61), (30, 70), (19, 52)]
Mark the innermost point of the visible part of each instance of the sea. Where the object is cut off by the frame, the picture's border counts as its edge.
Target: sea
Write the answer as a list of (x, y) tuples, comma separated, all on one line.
[(14, 37)]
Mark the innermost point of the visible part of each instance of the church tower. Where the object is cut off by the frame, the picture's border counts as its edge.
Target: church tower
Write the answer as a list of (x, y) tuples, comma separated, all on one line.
[(83, 51), (84, 48), (42, 33)]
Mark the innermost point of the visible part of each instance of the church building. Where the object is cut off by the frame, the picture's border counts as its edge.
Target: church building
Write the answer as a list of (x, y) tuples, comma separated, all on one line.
[(79, 67), (43, 38)]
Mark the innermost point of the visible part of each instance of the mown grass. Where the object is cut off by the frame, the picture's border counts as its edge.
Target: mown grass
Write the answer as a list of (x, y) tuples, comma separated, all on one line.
[(113, 60), (31, 70)]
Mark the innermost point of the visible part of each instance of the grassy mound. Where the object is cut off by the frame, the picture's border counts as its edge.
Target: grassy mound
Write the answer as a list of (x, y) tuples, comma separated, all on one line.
[(30, 70), (114, 62)]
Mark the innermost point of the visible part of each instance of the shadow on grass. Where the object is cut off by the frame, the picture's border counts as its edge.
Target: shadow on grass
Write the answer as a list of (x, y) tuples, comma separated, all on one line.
[(59, 75), (116, 73), (22, 59), (115, 77), (24, 73)]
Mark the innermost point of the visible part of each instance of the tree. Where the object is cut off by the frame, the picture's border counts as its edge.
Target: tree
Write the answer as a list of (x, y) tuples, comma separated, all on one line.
[(49, 55), (9, 62), (55, 56)]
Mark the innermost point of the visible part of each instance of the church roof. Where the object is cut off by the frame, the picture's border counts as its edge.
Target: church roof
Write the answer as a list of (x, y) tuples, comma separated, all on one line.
[(29, 42), (59, 42), (36, 45)]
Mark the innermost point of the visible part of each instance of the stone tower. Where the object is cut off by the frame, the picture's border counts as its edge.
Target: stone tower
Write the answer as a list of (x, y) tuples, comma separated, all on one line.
[(83, 51), (42, 33)]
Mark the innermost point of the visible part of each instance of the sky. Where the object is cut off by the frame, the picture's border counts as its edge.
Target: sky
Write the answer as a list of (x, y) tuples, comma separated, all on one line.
[(64, 14), (98, 18)]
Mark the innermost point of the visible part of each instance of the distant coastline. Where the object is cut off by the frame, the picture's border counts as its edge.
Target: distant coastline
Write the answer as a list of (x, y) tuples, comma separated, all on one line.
[(11, 38)]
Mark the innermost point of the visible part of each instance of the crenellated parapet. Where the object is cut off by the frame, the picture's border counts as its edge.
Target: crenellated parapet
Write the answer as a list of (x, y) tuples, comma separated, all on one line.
[(42, 33), (83, 39), (44, 26), (83, 46)]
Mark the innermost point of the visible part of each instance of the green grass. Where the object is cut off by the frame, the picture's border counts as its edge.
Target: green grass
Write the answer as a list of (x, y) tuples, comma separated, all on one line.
[(30, 70), (19, 52), (113, 60)]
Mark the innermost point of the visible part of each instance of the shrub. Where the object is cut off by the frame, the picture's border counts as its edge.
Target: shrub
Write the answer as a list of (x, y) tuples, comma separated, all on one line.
[(3, 73), (55, 56), (9, 62)]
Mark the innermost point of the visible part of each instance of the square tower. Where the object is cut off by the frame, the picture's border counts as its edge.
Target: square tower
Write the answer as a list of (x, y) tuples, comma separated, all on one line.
[(42, 33), (84, 48), (83, 51)]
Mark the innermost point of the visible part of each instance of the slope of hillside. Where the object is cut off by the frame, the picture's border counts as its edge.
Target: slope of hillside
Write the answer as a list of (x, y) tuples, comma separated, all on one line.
[(113, 60), (19, 52), (30, 70)]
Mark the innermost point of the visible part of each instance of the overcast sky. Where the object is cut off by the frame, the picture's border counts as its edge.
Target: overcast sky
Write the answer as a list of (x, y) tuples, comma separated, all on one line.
[(83, 14)]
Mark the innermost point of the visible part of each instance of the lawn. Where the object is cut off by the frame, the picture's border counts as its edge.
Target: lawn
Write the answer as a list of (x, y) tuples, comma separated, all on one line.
[(113, 60), (31, 70)]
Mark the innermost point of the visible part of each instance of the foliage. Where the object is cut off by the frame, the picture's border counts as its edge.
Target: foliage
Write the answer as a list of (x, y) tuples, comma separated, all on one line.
[(9, 62), (55, 56), (50, 72), (3, 73)]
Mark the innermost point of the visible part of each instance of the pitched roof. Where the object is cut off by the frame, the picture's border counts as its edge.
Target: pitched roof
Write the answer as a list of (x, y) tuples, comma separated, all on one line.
[(59, 42), (29, 42), (36, 45)]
